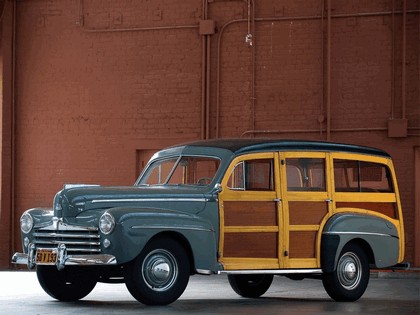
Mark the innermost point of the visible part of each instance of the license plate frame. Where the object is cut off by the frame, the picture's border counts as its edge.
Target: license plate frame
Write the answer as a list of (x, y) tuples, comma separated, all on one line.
[(46, 256)]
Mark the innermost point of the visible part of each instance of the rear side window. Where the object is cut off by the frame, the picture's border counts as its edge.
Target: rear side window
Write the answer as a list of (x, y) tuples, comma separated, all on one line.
[(361, 176)]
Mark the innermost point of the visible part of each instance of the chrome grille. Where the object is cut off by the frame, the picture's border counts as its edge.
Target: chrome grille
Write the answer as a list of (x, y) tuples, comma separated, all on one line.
[(78, 240)]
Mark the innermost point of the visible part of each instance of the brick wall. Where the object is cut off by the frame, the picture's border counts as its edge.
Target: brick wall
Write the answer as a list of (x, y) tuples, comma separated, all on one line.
[(97, 82)]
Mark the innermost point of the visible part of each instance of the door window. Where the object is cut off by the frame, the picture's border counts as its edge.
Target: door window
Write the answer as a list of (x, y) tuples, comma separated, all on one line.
[(253, 175)]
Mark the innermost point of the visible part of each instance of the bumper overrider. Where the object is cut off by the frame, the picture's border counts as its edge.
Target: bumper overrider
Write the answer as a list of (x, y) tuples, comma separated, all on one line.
[(62, 245)]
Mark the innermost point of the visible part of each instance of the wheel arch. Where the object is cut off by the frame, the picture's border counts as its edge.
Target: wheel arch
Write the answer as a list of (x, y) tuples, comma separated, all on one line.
[(376, 236), (182, 240)]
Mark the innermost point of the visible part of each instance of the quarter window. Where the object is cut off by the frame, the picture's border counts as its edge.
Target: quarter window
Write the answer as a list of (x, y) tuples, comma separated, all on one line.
[(360, 176)]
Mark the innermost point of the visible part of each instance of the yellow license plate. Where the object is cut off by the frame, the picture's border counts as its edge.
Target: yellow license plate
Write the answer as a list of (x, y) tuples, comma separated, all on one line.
[(46, 257)]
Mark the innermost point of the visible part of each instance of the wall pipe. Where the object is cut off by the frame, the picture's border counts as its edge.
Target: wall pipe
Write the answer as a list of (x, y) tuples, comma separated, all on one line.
[(13, 129), (253, 98), (329, 71), (367, 129), (129, 29), (203, 76), (321, 109), (404, 57), (393, 60)]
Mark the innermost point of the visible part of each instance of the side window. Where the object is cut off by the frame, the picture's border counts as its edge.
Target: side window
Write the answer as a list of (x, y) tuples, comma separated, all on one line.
[(305, 174), (360, 176), (253, 175)]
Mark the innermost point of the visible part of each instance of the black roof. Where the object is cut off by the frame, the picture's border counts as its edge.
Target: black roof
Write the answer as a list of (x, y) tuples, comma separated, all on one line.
[(243, 145)]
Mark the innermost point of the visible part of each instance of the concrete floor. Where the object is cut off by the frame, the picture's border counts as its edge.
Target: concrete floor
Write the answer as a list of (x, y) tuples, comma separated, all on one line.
[(20, 293)]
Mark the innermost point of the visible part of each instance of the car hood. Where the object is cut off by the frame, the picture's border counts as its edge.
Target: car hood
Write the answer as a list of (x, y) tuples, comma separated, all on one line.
[(70, 202)]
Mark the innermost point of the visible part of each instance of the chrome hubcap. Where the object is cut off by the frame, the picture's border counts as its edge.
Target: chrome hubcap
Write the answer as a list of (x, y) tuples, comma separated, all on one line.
[(159, 270), (349, 271)]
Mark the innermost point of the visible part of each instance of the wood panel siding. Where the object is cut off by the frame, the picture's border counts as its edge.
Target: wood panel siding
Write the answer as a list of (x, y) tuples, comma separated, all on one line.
[(302, 244), (250, 245), (307, 212), (386, 208), (250, 213)]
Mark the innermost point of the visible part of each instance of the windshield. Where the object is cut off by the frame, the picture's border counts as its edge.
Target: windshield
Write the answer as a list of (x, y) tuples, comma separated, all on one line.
[(183, 170)]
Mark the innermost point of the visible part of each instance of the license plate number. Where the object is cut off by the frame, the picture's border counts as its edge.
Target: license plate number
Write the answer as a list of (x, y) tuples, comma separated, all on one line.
[(46, 257)]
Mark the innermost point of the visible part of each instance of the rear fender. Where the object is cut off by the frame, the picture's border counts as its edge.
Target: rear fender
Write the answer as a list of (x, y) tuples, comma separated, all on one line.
[(379, 234)]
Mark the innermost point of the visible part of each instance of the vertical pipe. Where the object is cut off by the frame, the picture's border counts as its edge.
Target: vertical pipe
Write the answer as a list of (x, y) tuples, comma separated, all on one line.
[(13, 132), (203, 130), (203, 87), (404, 55), (208, 87), (321, 117), (253, 67), (393, 60), (329, 72)]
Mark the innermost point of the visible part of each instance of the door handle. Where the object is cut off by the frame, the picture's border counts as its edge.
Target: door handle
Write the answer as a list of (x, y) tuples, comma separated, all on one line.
[(277, 200), (329, 200)]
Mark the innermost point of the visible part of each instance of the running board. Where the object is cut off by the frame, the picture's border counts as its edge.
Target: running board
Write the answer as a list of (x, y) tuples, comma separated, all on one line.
[(273, 271)]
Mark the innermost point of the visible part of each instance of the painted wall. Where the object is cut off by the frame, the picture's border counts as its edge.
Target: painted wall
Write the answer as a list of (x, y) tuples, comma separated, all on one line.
[(99, 85)]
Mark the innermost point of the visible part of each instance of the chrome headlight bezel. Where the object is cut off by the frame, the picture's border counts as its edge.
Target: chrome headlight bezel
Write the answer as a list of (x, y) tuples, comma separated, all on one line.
[(106, 223), (26, 223)]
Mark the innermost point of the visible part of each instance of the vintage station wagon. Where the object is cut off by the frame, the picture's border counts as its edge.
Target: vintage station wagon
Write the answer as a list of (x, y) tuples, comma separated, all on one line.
[(251, 208)]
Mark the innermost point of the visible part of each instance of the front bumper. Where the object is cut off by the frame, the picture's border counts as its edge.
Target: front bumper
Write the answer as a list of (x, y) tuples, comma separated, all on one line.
[(63, 259)]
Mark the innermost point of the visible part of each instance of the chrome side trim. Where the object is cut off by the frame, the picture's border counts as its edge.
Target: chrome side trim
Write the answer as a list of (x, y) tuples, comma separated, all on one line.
[(150, 199), (163, 227), (359, 233), (272, 271)]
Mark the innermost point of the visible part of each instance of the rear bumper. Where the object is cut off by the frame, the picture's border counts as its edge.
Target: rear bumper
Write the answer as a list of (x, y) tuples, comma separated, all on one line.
[(64, 260)]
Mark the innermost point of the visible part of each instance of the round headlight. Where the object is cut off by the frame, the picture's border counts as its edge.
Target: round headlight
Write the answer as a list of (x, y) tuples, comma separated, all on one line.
[(106, 223), (26, 223)]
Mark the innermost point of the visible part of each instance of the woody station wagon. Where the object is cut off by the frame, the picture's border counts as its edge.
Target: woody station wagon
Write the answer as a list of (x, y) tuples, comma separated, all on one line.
[(250, 208)]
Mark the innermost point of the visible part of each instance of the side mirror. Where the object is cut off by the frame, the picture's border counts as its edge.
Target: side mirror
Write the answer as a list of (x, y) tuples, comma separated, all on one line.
[(218, 187)]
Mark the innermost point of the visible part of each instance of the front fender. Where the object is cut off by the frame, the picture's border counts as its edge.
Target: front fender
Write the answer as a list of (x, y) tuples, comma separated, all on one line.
[(135, 227), (376, 232)]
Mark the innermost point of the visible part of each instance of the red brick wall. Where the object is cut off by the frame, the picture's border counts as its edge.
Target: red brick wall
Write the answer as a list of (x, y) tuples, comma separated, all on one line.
[(97, 84)]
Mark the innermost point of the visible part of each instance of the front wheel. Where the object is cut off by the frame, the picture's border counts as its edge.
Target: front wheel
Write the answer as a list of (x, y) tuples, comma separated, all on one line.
[(349, 280), (69, 284), (160, 274), (251, 286)]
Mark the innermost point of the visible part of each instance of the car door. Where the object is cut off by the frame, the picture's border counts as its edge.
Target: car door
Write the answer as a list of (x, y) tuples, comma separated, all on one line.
[(250, 213), (307, 204)]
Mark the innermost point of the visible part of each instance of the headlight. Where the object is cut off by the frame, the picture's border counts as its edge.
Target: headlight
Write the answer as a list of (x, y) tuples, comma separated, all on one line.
[(106, 223), (26, 223)]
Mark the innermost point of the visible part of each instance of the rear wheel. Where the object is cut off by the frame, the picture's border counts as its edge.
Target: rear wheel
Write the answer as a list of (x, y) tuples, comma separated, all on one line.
[(69, 284), (350, 278), (251, 286), (160, 274)]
